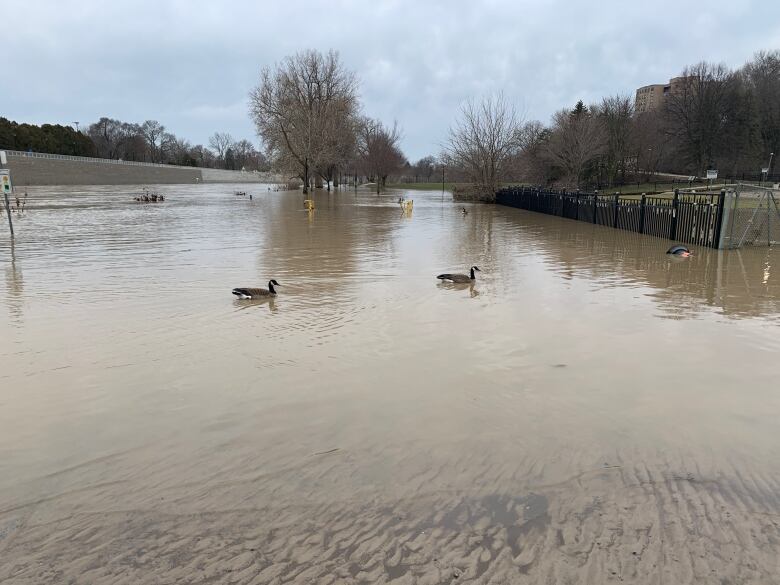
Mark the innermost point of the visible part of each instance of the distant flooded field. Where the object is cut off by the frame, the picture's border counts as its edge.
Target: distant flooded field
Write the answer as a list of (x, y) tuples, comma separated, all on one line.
[(590, 410)]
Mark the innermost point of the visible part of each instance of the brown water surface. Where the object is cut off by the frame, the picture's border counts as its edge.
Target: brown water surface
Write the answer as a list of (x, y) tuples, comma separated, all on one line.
[(590, 410)]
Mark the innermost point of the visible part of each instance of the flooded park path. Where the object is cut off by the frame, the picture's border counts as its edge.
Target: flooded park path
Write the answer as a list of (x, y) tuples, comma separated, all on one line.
[(590, 410)]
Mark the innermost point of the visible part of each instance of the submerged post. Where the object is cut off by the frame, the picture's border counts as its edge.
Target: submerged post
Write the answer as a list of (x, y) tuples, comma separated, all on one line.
[(8, 212), (616, 206), (5, 184), (642, 215), (720, 218)]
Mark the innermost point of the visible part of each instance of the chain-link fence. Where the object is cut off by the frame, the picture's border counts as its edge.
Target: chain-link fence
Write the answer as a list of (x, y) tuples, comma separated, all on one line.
[(751, 217)]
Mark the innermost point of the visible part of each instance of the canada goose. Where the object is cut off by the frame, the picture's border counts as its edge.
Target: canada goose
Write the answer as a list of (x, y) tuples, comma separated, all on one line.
[(681, 251), (257, 293), (464, 210), (460, 277)]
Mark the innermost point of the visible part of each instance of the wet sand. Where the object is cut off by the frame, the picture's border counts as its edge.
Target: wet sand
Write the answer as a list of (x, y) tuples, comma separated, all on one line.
[(590, 411)]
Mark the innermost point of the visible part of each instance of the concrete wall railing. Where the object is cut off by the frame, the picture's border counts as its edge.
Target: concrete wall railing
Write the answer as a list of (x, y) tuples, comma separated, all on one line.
[(110, 161), (37, 168)]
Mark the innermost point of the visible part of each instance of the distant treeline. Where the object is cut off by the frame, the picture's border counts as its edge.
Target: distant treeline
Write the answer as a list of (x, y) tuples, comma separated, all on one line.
[(710, 117), (49, 138), (146, 142)]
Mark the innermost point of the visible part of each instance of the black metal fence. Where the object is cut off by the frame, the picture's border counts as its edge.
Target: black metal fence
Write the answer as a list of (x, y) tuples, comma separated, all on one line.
[(689, 218)]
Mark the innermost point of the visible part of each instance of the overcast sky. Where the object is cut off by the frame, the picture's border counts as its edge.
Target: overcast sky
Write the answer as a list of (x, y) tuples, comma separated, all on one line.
[(191, 64)]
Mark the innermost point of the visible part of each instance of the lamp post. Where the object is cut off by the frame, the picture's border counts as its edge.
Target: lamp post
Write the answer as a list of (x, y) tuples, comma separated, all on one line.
[(766, 171), (650, 163)]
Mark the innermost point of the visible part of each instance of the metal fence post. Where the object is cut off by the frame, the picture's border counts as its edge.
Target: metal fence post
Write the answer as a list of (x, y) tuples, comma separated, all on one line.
[(721, 216), (673, 225), (595, 206), (615, 205), (642, 215)]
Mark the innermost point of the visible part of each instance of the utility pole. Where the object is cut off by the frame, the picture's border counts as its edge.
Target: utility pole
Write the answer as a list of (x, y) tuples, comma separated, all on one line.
[(77, 126)]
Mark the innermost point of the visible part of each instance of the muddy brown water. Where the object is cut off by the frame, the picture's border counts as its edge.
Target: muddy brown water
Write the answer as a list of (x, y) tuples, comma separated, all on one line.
[(589, 411)]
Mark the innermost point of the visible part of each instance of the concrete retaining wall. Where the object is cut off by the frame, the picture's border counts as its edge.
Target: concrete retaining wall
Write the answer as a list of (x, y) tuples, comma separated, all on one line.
[(53, 170), (223, 176), (42, 171)]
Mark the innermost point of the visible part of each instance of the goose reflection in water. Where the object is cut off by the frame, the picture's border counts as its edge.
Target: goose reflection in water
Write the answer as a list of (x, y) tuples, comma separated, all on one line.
[(457, 286), (243, 304)]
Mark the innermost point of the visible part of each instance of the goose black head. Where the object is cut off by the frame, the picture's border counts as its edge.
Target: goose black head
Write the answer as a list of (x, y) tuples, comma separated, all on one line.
[(476, 268), (273, 282)]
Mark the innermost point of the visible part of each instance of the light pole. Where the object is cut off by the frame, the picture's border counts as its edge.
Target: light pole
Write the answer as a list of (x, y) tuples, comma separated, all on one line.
[(765, 172), (77, 126), (649, 163)]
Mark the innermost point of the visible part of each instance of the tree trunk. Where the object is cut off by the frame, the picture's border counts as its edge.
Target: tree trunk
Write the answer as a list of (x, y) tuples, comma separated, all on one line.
[(305, 177)]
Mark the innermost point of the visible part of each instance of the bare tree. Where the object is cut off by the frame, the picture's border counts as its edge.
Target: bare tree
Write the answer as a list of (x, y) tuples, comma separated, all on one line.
[(108, 136), (762, 78), (153, 131), (204, 157), (293, 108), (576, 140), (178, 151), (220, 142), (530, 163), (424, 168), (697, 107), (484, 139), (243, 151), (378, 150), (134, 145), (616, 116), (336, 143), (649, 143)]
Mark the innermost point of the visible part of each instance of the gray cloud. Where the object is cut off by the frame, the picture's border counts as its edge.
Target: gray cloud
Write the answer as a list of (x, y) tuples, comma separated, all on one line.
[(191, 64)]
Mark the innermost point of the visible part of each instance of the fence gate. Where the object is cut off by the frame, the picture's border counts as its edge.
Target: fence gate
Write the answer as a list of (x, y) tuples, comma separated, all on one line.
[(752, 217)]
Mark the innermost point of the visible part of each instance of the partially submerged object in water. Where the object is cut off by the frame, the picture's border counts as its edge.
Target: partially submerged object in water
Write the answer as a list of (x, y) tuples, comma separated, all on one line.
[(678, 250), (150, 197)]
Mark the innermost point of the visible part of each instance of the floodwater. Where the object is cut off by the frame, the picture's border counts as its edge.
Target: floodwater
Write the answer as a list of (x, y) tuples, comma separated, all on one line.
[(589, 411)]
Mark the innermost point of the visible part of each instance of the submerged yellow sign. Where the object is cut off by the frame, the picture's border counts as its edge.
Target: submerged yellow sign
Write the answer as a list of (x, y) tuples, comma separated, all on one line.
[(5, 180)]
